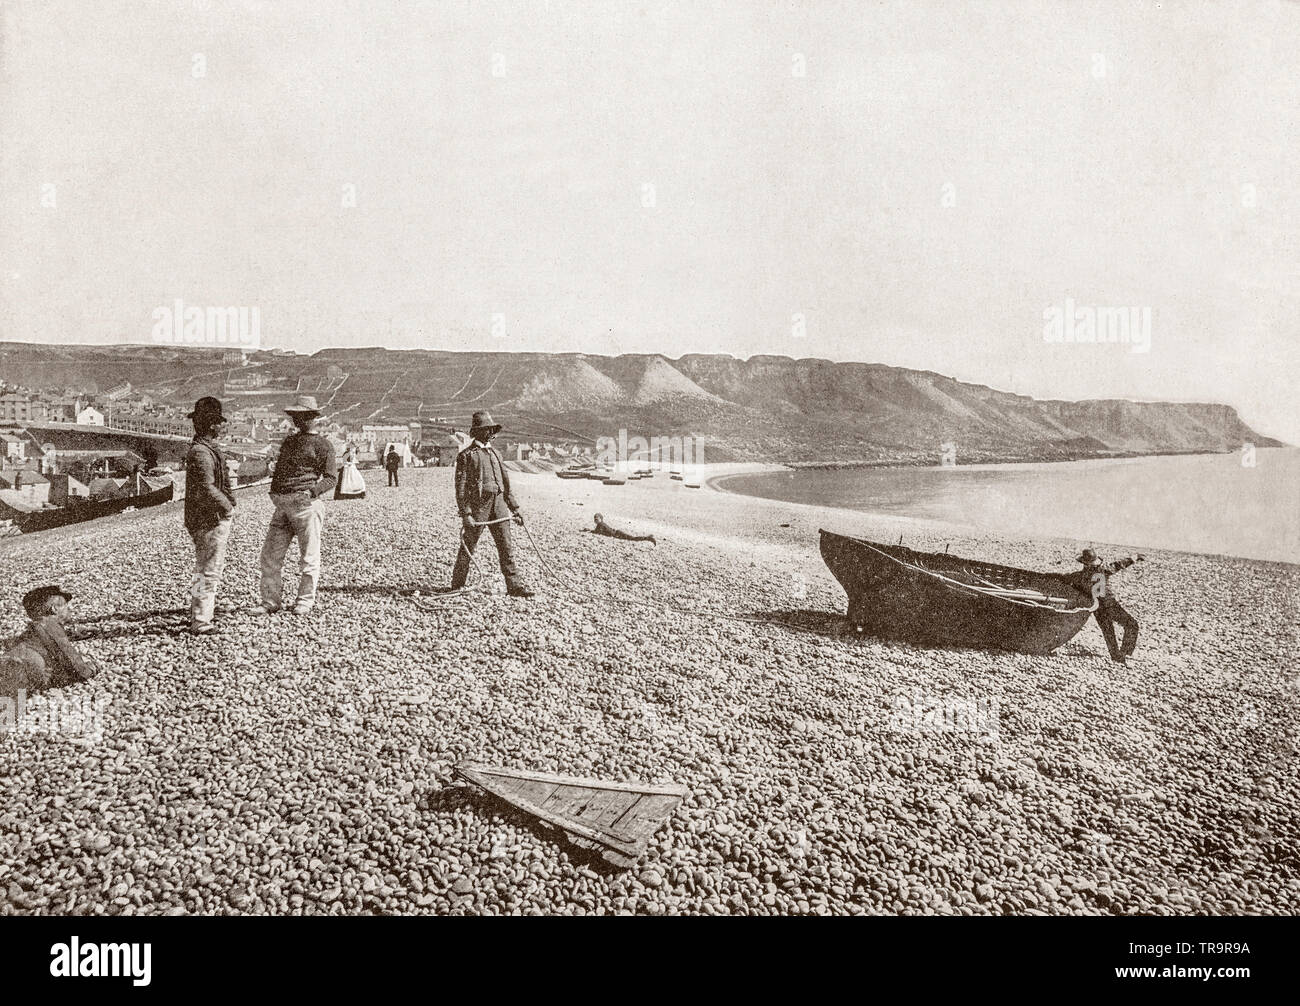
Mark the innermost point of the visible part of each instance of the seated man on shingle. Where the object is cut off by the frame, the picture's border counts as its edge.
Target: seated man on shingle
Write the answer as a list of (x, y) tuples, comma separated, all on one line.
[(43, 656)]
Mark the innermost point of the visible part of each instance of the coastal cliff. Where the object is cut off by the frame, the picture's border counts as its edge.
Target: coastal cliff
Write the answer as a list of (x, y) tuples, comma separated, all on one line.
[(766, 408)]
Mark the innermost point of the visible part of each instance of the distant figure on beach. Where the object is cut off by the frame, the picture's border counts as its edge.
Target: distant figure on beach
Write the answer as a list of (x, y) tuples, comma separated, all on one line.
[(303, 474), (392, 462), (43, 656), (1094, 580), (351, 486), (209, 506), (484, 498), (613, 532)]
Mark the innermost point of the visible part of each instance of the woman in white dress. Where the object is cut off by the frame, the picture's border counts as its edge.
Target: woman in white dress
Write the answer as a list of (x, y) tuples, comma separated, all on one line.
[(350, 485)]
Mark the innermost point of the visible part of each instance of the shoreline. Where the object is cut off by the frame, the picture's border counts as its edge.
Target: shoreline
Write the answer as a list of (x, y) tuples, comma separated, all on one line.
[(719, 482), (998, 462)]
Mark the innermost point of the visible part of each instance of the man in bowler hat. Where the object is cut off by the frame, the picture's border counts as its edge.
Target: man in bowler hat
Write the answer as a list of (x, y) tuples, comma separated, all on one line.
[(43, 656), (209, 506)]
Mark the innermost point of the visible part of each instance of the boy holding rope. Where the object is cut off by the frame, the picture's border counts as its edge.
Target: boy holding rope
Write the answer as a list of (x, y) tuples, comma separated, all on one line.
[(484, 499)]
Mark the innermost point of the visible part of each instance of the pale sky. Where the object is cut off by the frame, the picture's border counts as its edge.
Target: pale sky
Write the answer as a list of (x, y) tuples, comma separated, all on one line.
[(937, 176)]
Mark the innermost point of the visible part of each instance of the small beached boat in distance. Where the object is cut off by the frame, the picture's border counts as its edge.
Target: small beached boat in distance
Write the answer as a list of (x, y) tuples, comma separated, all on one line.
[(615, 480), (924, 597), (615, 819), (85, 509), (571, 473)]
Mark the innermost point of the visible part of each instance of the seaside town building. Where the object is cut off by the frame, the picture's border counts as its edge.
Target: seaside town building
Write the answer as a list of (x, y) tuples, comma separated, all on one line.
[(105, 488), (62, 410), (153, 423), (15, 446), (17, 407), (31, 486), (64, 487), (247, 381)]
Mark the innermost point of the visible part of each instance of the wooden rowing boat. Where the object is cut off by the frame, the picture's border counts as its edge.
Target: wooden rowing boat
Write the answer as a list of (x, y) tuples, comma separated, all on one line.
[(615, 819), (898, 593), (83, 510)]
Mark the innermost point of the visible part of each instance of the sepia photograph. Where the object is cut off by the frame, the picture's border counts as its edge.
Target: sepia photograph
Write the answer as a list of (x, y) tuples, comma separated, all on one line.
[(650, 458)]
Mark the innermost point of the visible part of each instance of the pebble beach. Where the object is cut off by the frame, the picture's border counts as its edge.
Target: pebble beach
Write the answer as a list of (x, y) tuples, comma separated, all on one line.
[(303, 764)]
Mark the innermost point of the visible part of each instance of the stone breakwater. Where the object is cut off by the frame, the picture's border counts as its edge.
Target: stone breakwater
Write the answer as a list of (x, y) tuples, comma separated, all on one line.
[(303, 765)]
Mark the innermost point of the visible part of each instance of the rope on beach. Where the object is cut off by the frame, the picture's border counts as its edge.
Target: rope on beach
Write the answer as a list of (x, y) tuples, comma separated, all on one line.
[(652, 605), (586, 598), (480, 580)]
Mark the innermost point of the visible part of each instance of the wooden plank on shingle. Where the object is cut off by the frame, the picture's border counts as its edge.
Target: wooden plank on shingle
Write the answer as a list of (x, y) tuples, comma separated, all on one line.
[(603, 813), (529, 789), (617, 819), (568, 800), (645, 816)]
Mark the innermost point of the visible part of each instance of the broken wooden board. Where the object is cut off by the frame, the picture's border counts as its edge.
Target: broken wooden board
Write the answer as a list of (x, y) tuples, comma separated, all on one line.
[(615, 819)]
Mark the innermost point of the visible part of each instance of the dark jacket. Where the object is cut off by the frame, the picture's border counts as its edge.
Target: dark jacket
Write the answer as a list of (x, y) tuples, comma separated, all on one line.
[(480, 477), (393, 461), (43, 657), (208, 499), (306, 461), (1085, 577)]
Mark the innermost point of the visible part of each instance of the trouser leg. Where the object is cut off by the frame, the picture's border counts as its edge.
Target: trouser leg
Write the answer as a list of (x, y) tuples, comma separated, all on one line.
[(506, 554), (310, 524), (278, 536), (209, 563), (1130, 627), (1102, 614), (460, 572)]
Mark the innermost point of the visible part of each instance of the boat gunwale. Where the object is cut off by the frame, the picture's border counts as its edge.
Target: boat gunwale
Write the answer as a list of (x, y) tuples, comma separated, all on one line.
[(953, 562)]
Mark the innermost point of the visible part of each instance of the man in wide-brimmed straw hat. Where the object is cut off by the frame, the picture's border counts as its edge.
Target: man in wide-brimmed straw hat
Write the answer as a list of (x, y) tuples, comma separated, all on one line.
[(1094, 579), (484, 499), (209, 506), (304, 472)]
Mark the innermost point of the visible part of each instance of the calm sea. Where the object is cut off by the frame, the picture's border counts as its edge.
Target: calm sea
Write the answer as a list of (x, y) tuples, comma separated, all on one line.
[(1199, 503)]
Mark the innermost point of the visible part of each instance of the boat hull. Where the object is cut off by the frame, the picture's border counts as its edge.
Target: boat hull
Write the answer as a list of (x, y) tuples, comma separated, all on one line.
[(920, 597), (44, 520)]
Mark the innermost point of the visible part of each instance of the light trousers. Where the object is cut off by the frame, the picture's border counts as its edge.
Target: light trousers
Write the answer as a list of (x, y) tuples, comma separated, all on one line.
[(297, 515), (209, 564)]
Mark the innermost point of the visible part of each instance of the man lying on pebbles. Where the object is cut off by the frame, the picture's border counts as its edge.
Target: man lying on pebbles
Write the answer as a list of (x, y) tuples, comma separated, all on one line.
[(602, 528)]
